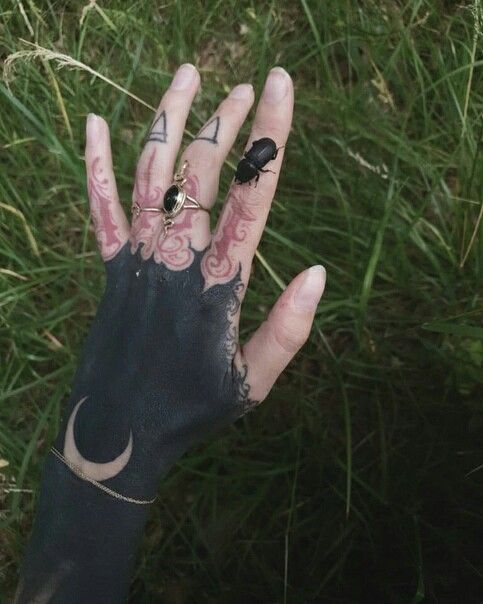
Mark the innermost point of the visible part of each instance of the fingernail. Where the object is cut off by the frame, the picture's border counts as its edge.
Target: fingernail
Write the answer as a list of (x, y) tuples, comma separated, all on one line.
[(311, 289), (92, 128), (183, 77), (276, 86), (242, 91)]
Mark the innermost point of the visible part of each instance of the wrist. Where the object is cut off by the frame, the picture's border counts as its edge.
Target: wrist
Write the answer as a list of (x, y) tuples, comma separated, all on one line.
[(88, 541)]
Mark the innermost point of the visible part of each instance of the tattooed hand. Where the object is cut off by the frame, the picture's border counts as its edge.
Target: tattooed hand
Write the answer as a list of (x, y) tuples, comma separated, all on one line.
[(162, 366)]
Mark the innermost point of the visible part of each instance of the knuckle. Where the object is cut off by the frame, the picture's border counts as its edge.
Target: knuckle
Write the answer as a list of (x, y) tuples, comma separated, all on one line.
[(144, 172), (200, 162), (289, 337), (149, 173), (250, 195), (144, 177), (170, 102), (271, 129)]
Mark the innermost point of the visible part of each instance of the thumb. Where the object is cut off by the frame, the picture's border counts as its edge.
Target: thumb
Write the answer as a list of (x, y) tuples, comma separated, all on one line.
[(285, 330)]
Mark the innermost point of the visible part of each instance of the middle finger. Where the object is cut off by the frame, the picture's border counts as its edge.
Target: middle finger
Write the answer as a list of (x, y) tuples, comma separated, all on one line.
[(205, 156), (207, 152)]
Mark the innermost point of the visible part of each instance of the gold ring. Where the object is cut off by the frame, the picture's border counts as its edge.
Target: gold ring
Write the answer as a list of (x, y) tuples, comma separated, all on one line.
[(175, 200)]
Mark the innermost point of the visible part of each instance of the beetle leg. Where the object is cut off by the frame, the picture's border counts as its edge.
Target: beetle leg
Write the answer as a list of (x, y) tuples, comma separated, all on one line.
[(262, 170)]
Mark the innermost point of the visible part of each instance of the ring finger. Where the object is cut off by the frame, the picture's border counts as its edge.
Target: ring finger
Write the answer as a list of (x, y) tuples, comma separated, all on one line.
[(209, 149), (246, 209)]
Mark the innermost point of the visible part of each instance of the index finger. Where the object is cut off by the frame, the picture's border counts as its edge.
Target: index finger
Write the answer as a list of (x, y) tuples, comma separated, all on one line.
[(246, 208)]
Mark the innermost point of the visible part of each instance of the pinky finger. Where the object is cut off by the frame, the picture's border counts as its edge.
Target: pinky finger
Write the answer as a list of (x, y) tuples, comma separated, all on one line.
[(110, 223), (286, 329)]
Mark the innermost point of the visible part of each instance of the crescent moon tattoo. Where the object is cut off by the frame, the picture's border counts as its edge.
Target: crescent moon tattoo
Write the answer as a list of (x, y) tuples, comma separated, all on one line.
[(96, 471)]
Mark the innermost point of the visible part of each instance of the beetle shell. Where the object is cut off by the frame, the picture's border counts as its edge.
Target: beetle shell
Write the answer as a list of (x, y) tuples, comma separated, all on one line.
[(245, 171), (262, 151)]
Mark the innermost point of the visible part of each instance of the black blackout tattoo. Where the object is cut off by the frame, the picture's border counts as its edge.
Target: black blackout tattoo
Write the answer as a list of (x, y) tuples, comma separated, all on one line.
[(231, 347), (159, 131), (160, 370), (243, 389), (210, 131)]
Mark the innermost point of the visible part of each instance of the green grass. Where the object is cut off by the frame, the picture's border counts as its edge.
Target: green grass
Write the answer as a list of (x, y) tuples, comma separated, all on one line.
[(353, 482)]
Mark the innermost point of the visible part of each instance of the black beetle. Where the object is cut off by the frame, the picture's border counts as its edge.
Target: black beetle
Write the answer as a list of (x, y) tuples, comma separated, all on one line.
[(262, 151)]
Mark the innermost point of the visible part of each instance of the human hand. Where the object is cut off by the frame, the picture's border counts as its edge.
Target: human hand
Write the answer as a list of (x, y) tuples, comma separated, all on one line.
[(162, 365)]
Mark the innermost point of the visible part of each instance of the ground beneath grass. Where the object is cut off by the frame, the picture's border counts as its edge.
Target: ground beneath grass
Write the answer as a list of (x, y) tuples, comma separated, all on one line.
[(360, 478)]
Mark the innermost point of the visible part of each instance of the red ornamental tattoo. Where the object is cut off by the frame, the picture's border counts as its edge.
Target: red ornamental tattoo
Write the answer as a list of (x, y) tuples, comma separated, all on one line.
[(218, 264), (147, 195), (101, 211), (174, 250), (144, 227)]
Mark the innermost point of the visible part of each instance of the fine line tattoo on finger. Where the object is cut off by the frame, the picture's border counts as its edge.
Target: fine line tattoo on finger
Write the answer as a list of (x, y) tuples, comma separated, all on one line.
[(209, 132), (159, 130)]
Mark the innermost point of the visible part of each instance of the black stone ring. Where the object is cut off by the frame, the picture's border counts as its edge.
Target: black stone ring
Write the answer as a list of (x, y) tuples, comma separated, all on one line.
[(175, 199)]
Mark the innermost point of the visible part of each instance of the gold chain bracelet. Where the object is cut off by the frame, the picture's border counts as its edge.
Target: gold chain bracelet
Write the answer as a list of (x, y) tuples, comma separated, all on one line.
[(78, 472)]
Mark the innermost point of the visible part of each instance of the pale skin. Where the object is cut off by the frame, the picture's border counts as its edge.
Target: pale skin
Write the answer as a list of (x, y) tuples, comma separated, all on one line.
[(234, 240)]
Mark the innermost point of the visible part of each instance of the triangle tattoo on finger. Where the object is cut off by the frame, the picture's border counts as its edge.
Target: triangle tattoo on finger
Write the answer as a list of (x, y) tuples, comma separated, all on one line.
[(159, 132), (209, 132)]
